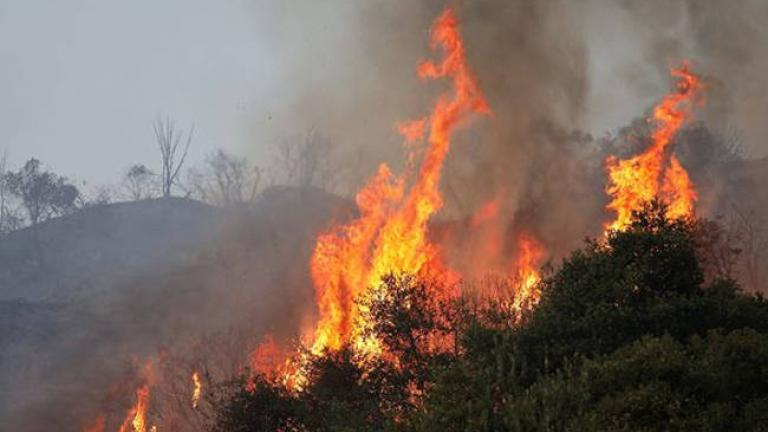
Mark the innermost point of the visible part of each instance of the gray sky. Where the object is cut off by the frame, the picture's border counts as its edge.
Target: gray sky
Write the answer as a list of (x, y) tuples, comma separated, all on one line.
[(82, 80)]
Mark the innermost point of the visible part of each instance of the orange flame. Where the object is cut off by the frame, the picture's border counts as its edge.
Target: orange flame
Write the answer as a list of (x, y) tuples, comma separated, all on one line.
[(489, 211), (277, 364), (656, 172), (136, 417), (97, 425), (197, 389), (530, 254), (391, 234)]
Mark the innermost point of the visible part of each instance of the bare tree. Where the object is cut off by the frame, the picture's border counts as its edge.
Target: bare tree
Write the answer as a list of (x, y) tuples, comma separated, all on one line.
[(4, 211), (139, 182), (172, 152), (305, 161), (10, 217), (754, 245), (99, 195), (225, 180), (718, 247)]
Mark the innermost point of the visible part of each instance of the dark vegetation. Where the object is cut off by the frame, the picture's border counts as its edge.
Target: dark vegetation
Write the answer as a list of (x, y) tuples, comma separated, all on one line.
[(646, 331), (637, 332)]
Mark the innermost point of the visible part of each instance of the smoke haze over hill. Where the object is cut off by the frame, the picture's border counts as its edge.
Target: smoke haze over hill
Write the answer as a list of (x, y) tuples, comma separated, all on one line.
[(85, 298)]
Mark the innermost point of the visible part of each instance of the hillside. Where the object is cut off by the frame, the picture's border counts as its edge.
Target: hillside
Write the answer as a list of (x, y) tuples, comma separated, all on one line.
[(78, 253), (124, 280)]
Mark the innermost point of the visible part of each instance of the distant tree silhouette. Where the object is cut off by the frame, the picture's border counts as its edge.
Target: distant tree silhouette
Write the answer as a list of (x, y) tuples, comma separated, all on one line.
[(139, 182), (9, 217), (172, 153), (225, 180), (43, 194), (305, 161)]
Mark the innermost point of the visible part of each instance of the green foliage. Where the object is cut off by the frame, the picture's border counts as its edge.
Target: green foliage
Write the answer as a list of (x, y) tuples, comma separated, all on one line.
[(643, 282), (713, 383), (338, 398), (414, 325), (256, 405), (629, 335), (43, 193)]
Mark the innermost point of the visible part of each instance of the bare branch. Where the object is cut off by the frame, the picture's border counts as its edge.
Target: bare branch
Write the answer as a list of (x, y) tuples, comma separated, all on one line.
[(172, 157)]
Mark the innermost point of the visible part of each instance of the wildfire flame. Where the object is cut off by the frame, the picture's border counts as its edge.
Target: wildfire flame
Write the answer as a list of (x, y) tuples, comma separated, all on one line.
[(530, 254), (391, 234), (135, 420), (197, 389), (278, 365), (97, 425), (657, 172)]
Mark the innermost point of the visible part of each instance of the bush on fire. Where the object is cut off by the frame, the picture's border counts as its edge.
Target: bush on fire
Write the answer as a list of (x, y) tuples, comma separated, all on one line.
[(629, 334)]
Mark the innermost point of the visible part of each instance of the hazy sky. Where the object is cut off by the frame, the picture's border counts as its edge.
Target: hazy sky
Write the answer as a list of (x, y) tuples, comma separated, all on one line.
[(82, 80)]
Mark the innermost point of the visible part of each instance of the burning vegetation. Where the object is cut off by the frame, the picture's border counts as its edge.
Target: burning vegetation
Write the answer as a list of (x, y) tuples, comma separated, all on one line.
[(401, 338), (657, 172), (422, 320)]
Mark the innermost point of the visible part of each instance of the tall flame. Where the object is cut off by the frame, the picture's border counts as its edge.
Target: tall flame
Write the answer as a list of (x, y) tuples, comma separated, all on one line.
[(390, 236), (657, 172)]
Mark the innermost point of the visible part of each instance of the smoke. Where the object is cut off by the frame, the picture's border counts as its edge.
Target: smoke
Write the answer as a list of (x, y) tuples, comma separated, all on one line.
[(725, 42), (562, 78), (559, 76), (350, 74), (556, 74)]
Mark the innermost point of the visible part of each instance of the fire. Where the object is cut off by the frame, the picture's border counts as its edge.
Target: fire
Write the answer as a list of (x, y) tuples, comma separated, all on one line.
[(391, 234), (268, 358), (657, 172), (97, 425), (489, 211), (197, 389), (135, 420), (530, 254), (278, 365)]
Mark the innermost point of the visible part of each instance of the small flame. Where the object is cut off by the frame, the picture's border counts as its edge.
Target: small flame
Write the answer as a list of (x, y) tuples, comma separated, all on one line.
[(97, 425), (136, 418), (197, 389), (489, 211), (657, 172), (278, 365), (530, 254)]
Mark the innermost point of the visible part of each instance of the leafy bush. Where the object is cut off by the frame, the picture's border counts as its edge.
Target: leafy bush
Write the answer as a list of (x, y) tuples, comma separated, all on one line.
[(628, 335)]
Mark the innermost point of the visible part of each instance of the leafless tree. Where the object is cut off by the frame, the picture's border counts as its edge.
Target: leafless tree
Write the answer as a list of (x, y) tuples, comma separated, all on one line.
[(139, 183), (97, 196), (4, 211), (305, 161), (225, 180), (718, 247), (754, 245), (174, 146), (10, 212)]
